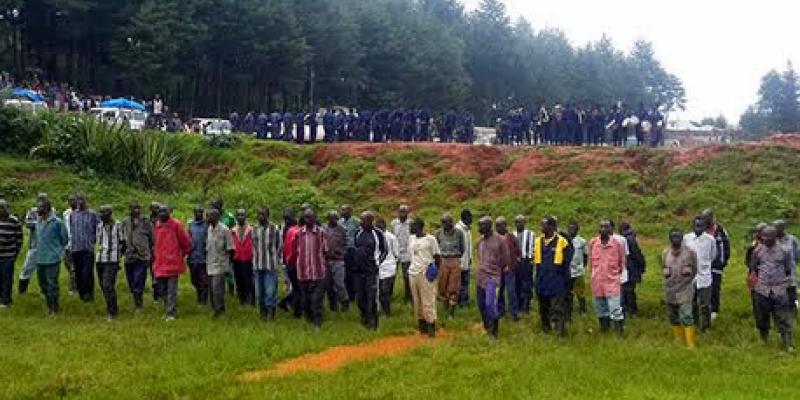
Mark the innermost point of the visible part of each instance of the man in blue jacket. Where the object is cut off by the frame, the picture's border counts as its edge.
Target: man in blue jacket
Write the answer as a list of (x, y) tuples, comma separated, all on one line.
[(551, 257)]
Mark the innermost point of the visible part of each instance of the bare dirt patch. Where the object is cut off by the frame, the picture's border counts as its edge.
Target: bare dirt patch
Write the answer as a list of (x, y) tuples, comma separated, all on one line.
[(336, 357)]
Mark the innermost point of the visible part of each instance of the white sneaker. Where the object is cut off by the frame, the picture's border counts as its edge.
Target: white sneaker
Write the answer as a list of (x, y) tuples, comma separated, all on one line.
[(3, 305), (170, 319), (714, 316)]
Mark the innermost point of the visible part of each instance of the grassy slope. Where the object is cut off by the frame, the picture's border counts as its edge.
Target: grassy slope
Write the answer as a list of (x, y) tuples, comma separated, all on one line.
[(81, 355)]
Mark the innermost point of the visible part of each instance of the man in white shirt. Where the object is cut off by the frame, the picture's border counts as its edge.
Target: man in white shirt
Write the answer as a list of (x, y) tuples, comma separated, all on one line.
[(388, 268), (73, 205), (401, 228), (466, 259), (524, 269), (577, 270), (705, 246)]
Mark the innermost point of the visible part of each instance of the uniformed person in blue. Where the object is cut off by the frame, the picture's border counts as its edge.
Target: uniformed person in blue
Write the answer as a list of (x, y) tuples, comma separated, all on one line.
[(329, 126), (409, 126), (313, 123), (350, 129), (300, 127), (450, 125), (424, 117), (469, 128), (288, 124), (340, 125), (262, 121)]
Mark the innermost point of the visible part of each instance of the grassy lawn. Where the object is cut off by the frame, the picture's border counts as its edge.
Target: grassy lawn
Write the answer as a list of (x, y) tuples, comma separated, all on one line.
[(80, 355)]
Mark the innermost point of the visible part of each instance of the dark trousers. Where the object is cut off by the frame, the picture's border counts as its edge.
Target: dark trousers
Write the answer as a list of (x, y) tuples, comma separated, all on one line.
[(70, 267), (158, 289), (48, 283), (463, 295), (491, 324), (349, 267), (170, 286), (199, 276), (552, 313), (385, 292), (136, 274), (406, 283), (702, 308), (6, 280), (716, 289), (524, 278), (84, 274), (629, 303), (312, 294), (293, 298), (508, 288), (365, 285), (245, 288), (217, 284), (776, 308), (107, 276)]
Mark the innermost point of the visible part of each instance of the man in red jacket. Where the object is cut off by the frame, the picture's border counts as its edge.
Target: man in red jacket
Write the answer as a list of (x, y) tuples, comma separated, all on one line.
[(172, 244)]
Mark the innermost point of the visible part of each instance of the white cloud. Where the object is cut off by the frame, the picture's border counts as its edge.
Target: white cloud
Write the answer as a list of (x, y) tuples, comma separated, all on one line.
[(720, 49)]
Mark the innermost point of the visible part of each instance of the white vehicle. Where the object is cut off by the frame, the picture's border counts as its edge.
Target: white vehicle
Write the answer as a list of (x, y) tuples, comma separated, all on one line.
[(134, 119), (34, 107), (211, 126)]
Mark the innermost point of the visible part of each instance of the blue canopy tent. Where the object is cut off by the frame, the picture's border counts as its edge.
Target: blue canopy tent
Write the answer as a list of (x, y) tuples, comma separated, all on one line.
[(28, 94), (123, 103)]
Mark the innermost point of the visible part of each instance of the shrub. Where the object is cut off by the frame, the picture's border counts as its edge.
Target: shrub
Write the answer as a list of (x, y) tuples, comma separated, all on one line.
[(19, 130)]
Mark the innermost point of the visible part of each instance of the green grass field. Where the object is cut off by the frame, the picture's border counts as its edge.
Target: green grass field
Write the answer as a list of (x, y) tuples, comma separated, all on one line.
[(81, 355)]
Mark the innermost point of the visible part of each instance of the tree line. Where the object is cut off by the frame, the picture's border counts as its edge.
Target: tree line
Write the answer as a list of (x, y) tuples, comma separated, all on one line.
[(214, 56), (778, 105)]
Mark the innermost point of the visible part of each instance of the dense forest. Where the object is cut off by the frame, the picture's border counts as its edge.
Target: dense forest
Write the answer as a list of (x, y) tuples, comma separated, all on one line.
[(213, 56)]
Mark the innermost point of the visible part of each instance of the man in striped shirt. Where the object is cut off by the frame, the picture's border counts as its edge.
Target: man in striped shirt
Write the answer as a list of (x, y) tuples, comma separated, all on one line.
[(311, 248), (110, 244), (83, 229), (524, 269), (267, 244), (10, 246)]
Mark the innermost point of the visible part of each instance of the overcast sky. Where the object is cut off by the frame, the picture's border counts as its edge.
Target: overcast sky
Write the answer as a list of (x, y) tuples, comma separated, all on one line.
[(720, 49)]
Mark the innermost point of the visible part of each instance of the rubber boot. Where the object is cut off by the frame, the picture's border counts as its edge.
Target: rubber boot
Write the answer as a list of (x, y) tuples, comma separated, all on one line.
[(677, 330), (264, 313), (689, 334), (432, 330), (271, 312), (605, 324), (619, 326), (23, 286), (423, 326), (494, 328), (582, 306), (138, 301)]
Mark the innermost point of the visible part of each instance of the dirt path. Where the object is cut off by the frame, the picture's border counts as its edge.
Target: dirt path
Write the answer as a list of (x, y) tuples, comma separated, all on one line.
[(336, 357)]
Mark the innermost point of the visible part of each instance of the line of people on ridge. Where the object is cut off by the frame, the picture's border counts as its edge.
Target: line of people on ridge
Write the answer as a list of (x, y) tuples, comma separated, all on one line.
[(400, 125), (559, 125), (349, 259)]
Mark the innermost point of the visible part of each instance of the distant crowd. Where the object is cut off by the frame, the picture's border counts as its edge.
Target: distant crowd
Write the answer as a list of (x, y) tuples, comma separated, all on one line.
[(355, 260)]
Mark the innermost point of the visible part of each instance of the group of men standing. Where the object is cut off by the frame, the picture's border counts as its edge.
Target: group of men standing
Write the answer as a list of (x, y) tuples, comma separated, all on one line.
[(356, 260), (399, 125), (573, 125)]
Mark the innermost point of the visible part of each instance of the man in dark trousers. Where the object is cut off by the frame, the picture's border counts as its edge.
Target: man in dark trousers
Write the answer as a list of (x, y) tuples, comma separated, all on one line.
[(773, 267), (720, 235), (83, 230), (636, 267), (288, 123), (300, 127), (370, 251), (329, 126), (551, 258)]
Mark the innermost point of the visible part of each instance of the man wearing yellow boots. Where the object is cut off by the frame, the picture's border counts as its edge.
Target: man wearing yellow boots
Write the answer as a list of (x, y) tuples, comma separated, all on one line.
[(680, 268)]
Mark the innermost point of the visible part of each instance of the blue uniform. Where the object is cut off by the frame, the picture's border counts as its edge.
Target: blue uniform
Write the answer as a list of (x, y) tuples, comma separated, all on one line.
[(311, 120), (329, 126), (409, 126), (469, 128), (450, 124), (288, 123), (340, 122), (275, 125), (300, 127), (424, 116), (262, 121)]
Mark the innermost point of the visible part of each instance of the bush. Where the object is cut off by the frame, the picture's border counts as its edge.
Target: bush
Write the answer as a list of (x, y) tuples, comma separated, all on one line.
[(96, 146), (19, 130)]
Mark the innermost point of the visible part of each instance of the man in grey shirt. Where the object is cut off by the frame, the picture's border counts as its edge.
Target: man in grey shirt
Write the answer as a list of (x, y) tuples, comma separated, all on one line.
[(773, 266)]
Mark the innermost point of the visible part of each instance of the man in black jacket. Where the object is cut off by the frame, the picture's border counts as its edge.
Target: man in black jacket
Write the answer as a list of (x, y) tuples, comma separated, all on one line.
[(370, 252), (723, 255), (636, 266)]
